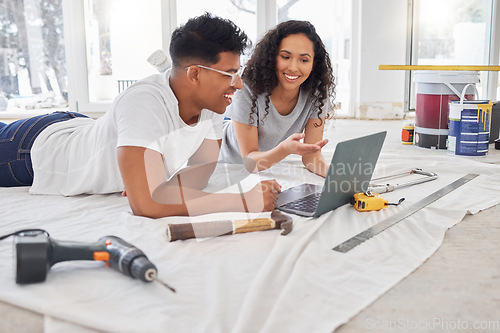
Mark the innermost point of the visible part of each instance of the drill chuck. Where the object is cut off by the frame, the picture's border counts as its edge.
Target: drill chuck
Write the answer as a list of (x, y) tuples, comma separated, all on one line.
[(128, 259), (143, 269)]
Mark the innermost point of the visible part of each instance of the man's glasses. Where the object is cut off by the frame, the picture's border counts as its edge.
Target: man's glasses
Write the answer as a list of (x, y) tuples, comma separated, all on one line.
[(234, 76)]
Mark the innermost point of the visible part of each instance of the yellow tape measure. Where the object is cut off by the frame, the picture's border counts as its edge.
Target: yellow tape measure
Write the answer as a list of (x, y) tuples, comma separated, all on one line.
[(364, 202)]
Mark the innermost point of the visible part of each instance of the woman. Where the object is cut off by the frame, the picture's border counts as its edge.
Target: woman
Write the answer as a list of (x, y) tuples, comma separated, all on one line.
[(288, 86)]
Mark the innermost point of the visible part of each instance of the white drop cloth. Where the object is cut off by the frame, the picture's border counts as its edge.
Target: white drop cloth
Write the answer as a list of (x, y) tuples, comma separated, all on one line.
[(254, 282)]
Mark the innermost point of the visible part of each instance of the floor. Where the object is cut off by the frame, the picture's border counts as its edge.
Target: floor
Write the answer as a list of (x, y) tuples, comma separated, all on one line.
[(457, 289)]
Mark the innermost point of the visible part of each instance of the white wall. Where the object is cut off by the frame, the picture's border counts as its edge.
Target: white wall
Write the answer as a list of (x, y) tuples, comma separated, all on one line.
[(381, 39)]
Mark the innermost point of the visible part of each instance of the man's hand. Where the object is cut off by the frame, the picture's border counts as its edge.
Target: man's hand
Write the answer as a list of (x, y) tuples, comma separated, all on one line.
[(262, 197)]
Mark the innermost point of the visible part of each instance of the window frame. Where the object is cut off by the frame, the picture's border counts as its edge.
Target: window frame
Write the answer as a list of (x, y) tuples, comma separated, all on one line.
[(76, 55)]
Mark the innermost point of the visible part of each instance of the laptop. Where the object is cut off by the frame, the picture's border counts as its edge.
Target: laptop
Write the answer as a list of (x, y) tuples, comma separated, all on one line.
[(350, 172)]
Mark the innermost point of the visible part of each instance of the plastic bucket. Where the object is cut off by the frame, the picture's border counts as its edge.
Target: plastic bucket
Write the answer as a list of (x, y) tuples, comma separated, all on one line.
[(435, 90), (469, 127)]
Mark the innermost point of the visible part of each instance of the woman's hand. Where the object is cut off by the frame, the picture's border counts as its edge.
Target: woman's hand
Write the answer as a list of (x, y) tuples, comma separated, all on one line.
[(293, 145)]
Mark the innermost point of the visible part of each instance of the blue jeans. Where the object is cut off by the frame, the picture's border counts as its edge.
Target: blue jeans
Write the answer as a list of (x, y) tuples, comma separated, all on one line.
[(16, 140)]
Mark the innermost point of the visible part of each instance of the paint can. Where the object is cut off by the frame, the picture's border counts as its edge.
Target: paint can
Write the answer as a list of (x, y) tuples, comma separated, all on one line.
[(435, 89), (407, 133), (469, 127)]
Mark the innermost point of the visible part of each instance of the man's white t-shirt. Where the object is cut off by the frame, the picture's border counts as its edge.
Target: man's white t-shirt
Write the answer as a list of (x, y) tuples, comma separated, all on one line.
[(80, 155)]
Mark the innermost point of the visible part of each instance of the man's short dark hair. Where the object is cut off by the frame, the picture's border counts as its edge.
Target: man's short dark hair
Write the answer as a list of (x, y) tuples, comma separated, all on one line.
[(202, 38)]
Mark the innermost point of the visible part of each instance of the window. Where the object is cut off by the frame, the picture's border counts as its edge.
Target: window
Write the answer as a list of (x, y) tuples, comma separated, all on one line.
[(85, 51), (498, 82), (452, 32), (120, 36), (333, 25), (32, 55), (241, 12)]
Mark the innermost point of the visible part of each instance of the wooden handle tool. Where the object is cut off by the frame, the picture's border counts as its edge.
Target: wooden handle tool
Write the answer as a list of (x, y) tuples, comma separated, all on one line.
[(277, 220)]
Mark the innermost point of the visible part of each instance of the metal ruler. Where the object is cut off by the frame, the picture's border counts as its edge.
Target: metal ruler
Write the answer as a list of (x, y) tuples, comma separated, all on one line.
[(398, 217)]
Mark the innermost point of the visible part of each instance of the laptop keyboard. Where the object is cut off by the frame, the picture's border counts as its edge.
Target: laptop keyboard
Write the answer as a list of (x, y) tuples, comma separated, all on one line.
[(306, 204)]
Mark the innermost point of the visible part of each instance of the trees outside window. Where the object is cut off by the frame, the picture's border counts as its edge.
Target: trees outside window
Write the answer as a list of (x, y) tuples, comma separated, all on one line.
[(32, 54)]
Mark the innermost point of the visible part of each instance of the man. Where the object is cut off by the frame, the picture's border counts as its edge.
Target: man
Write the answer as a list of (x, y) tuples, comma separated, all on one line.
[(160, 140)]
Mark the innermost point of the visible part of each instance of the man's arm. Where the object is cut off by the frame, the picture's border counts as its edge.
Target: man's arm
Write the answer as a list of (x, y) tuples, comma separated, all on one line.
[(200, 166), (143, 174)]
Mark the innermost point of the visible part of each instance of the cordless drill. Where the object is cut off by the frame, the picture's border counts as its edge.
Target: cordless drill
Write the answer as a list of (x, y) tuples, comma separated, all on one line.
[(37, 253)]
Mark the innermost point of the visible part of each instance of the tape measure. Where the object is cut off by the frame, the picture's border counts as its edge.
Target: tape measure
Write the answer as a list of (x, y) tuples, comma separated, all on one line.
[(364, 202), (398, 217)]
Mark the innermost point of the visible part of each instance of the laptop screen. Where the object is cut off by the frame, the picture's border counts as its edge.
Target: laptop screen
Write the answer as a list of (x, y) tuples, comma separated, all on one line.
[(350, 172)]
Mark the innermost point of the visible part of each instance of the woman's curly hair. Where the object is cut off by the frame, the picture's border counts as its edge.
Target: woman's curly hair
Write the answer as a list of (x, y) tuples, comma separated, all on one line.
[(260, 77)]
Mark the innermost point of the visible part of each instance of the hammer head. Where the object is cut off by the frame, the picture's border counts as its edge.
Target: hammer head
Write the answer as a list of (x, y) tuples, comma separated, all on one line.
[(283, 222)]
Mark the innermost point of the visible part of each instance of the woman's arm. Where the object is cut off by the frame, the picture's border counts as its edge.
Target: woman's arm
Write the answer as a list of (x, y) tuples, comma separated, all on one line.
[(315, 162), (255, 160), (248, 143), (143, 174)]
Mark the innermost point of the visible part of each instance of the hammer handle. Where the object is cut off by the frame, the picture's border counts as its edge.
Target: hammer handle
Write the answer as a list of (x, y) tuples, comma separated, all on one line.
[(217, 228)]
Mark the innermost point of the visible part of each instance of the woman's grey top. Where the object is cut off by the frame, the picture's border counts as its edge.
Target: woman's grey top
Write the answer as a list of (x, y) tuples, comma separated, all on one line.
[(273, 128)]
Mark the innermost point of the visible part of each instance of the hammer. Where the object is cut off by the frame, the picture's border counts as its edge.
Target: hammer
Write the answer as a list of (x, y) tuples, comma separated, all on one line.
[(277, 220)]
